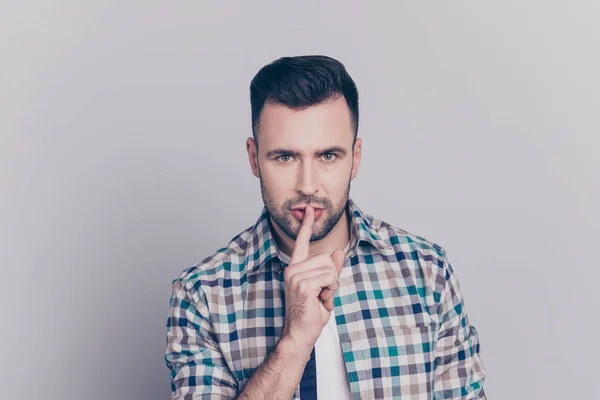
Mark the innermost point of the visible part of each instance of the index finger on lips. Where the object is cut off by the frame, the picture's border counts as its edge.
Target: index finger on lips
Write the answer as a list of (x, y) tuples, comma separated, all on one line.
[(302, 245)]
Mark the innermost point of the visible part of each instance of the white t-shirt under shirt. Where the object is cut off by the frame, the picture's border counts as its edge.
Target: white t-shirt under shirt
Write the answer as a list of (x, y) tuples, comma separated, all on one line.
[(332, 380)]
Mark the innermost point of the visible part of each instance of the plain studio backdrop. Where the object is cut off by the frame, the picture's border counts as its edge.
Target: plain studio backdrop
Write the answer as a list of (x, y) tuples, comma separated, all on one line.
[(123, 162)]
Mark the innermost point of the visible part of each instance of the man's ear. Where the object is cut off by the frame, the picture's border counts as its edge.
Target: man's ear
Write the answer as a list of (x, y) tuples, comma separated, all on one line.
[(253, 156), (356, 154)]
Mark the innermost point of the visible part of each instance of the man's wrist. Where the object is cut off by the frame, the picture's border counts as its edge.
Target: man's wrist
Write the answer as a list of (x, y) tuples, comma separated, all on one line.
[(292, 351)]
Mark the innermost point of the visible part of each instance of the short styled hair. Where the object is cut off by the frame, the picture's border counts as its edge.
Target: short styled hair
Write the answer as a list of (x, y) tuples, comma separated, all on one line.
[(300, 82)]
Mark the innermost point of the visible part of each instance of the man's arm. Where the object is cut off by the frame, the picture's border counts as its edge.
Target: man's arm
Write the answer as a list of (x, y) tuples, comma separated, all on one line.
[(279, 375), (198, 369), (459, 371)]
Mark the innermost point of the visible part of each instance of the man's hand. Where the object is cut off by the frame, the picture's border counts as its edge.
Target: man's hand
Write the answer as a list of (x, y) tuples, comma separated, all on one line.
[(310, 285)]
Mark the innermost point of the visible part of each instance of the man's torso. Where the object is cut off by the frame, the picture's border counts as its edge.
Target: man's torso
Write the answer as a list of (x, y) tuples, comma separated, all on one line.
[(386, 307)]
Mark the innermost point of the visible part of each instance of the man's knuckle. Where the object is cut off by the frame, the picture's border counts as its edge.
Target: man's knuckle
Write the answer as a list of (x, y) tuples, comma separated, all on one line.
[(302, 286)]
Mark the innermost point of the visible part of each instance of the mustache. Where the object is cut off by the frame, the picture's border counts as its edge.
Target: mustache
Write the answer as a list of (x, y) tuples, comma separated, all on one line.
[(323, 203)]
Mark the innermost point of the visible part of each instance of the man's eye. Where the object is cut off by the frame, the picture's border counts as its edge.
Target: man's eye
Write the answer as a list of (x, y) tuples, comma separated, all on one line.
[(329, 157), (284, 158)]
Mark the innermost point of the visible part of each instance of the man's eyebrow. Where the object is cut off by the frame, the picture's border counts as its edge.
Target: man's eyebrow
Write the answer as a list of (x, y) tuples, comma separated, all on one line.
[(294, 153)]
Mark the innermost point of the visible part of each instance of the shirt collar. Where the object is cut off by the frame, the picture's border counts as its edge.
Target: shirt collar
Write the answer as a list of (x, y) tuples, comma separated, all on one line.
[(262, 247)]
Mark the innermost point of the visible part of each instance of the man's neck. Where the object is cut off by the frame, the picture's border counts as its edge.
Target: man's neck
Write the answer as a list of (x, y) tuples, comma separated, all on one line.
[(336, 239)]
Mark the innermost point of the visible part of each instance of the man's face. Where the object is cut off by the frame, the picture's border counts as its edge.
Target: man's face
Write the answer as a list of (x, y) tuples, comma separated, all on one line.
[(305, 157)]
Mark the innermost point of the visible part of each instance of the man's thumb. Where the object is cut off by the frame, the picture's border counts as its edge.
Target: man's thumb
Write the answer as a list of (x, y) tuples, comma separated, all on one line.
[(338, 258)]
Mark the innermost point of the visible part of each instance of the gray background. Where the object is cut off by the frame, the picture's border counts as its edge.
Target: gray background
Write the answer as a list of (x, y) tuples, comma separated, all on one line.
[(122, 162)]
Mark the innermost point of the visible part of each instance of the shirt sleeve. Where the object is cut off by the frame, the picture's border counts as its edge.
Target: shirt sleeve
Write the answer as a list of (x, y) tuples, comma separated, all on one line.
[(458, 369), (198, 369)]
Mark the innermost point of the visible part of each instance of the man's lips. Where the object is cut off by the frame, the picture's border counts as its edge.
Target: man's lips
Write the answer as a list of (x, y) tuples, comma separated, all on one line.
[(299, 213)]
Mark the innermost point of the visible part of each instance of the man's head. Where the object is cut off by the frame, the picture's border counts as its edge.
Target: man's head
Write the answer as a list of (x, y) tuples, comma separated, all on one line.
[(304, 147)]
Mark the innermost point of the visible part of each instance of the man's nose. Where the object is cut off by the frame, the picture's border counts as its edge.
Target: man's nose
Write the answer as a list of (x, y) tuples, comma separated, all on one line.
[(308, 182)]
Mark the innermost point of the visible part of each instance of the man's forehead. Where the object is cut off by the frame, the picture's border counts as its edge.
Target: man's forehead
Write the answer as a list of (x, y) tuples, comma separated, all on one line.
[(308, 129), (307, 144)]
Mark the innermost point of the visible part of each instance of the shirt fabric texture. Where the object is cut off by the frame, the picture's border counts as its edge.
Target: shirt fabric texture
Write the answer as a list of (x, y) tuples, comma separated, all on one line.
[(400, 316)]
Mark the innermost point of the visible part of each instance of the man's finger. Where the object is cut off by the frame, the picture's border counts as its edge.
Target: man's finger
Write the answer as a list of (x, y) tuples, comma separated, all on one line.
[(328, 304), (302, 245), (327, 296)]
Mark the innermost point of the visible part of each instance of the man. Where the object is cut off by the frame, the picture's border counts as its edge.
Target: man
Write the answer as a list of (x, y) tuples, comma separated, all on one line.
[(318, 299)]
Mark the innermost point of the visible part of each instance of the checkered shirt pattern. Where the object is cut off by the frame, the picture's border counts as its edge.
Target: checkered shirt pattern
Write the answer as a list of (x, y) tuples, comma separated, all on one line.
[(401, 318)]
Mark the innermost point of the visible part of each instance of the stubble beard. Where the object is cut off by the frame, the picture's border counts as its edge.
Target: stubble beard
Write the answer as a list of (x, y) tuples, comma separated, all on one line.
[(288, 223)]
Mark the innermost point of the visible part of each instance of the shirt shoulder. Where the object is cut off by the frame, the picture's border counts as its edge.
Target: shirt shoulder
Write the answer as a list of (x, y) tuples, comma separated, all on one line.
[(425, 260), (401, 239), (226, 263)]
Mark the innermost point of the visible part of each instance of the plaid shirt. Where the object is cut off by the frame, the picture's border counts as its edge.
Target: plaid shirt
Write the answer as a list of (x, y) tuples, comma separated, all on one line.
[(400, 315)]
